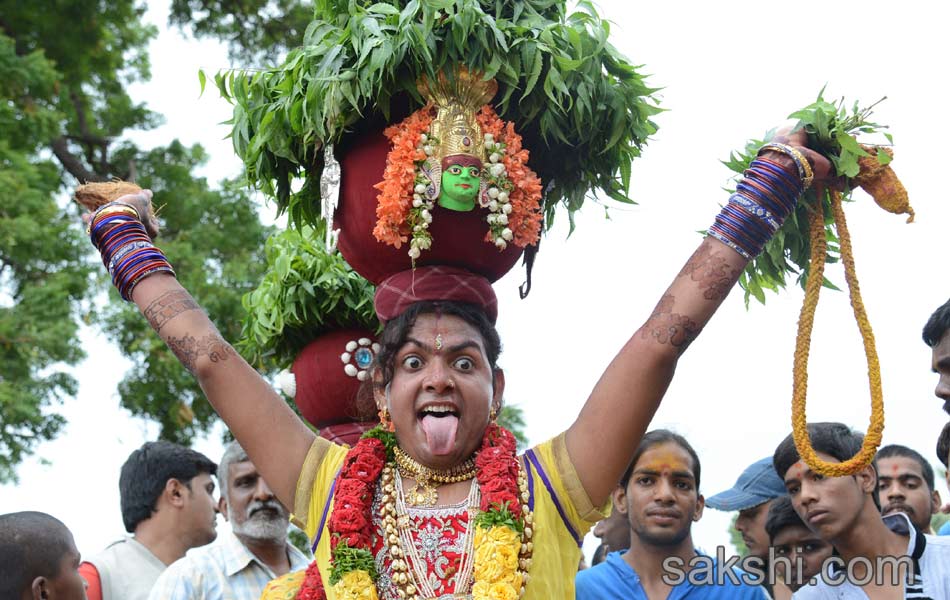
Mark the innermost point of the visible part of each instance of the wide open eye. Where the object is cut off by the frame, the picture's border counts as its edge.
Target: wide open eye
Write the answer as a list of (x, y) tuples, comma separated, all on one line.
[(464, 363), (455, 170), (412, 362), (475, 172)]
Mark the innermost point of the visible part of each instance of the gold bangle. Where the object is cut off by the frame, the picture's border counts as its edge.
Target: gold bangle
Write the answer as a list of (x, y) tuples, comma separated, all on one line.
[(804, 167)]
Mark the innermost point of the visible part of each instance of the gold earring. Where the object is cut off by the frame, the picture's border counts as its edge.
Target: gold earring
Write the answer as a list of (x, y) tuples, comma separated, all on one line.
[(385, 421), (493, 415)]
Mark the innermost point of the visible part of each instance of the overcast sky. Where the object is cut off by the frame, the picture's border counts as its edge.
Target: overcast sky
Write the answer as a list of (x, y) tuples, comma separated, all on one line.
[(730, 71)]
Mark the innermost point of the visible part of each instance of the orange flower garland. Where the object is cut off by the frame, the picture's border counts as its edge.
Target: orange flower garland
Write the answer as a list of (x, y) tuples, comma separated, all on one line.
[(395, 190), (394, 208)]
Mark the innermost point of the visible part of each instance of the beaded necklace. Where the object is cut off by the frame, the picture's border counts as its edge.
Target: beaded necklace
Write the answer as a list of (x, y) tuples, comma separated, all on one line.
[(502, 529)]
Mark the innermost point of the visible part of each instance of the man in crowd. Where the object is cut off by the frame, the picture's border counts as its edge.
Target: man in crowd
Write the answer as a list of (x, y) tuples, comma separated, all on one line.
[(38, 559), (659, 495), (799, 552), (752, 495), (167, 499), (906, 484), (614, 535), (877, 556), (935, 335), (240, 563)]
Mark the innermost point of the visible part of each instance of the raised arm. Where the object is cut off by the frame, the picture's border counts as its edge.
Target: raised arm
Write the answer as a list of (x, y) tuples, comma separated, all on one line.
[(275, 439), (622, 404)]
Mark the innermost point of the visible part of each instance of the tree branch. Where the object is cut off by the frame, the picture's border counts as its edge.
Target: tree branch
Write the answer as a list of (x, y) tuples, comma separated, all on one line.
[(73, 165)]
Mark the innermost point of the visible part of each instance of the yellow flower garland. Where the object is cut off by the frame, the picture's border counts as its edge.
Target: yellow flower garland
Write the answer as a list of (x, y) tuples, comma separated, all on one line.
[(356, 585)]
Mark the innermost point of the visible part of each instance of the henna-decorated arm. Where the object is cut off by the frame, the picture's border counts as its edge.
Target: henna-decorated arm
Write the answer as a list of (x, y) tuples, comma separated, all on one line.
[(275, 439), (623, 402), (619, 410)]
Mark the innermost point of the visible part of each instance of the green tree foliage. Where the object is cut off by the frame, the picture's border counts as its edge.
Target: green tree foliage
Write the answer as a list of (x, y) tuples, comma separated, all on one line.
[(64, 72), (98, 48), (257, 32), (213, 238), (43, 273)]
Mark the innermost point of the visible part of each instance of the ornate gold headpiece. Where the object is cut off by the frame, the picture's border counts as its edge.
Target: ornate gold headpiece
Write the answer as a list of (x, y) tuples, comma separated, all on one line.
[(457, 98)]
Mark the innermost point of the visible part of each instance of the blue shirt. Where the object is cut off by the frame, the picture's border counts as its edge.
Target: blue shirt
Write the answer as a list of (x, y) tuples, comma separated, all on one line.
[(944, 529), (614, 579)]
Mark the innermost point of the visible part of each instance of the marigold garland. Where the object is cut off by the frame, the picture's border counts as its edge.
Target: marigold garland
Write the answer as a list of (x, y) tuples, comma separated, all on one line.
[(399, 178), (502, 540), (872, 439), (403, 213)]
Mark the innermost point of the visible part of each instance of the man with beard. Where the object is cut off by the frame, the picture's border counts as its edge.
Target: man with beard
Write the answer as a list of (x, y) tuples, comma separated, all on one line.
[(659, 494), (239, 564), (906, 484), (876, 557)]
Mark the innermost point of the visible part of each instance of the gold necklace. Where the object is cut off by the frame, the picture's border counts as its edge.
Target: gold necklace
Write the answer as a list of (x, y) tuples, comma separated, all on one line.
[(391, 521), (425, 493)]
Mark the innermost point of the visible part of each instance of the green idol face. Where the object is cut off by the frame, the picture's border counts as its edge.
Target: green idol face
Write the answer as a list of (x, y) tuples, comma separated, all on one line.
[(460, 184)]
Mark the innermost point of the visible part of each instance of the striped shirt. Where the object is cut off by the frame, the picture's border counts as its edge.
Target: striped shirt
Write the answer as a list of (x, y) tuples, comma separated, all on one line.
[(222, 570), (929, 554)]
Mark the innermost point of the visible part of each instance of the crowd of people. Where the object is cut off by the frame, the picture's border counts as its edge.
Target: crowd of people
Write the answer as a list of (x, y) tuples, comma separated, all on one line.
[(791, 521), (436, 501)]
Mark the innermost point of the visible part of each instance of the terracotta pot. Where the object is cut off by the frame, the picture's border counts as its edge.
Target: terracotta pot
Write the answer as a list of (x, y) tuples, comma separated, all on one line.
[(458, 238), (327, 387)]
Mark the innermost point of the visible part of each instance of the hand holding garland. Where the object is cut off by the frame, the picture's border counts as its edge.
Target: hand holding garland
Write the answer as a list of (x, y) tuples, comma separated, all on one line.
[(623, 402), (247, 404)]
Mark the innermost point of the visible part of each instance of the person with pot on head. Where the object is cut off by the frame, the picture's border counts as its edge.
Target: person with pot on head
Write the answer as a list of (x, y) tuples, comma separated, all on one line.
[(436, 500)]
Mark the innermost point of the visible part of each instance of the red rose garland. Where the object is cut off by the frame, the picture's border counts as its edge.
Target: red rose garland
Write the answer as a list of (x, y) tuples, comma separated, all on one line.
[(351, 524)]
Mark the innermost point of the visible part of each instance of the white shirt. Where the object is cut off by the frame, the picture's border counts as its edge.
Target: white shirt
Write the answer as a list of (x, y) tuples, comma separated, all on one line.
[(127, 570), (931, 555), (222, 570)]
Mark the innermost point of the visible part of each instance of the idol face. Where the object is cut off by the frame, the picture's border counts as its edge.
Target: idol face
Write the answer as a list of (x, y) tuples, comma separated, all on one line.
[(461, 181)]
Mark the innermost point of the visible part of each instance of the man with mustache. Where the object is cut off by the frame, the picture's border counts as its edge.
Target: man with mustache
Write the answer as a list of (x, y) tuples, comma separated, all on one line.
[(239, 564), (659, 494), (876, 557), (906, 484), (753, 494)]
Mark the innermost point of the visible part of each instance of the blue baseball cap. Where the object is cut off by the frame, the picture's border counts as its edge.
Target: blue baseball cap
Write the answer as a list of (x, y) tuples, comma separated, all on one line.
[(759, 483)]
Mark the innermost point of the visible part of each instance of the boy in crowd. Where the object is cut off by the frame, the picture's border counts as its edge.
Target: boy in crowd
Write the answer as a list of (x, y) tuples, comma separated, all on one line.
[(877, 557), (799, 553), (38, 559)]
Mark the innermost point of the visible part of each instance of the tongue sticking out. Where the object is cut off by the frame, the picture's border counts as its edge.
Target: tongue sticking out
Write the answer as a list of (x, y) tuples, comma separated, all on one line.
[(440, 433)]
